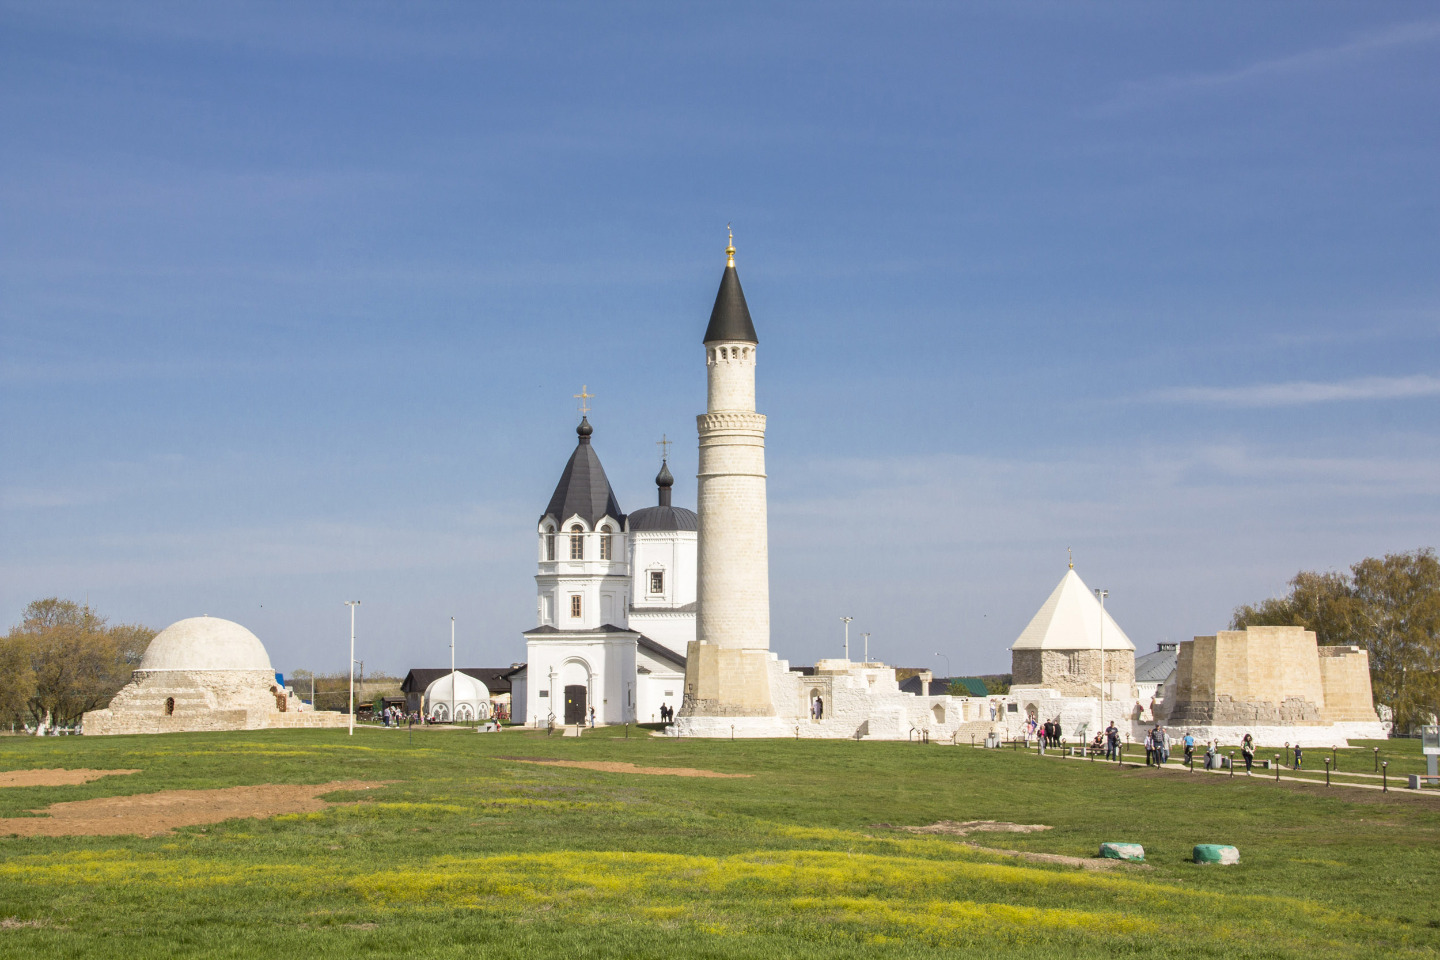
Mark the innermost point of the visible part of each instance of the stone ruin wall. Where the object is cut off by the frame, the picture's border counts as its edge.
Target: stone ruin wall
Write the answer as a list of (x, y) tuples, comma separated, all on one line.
[(1270, 675), (204, 701), (1054, 670), (1345, 673)]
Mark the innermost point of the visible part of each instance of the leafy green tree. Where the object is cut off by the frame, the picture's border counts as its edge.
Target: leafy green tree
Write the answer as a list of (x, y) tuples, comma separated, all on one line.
[(1321, 602), (69, 660), (1390, 606), (1397, 618)]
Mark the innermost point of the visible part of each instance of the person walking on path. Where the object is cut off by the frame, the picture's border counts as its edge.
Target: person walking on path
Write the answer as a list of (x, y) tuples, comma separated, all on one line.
[(1112, 742), (1190, 750), (1247, 750), (1149, 747), (1297, 756), (1162, 745)]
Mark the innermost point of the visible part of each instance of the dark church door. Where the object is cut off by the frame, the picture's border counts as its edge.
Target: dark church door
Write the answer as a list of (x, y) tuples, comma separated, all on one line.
[(575, 703)]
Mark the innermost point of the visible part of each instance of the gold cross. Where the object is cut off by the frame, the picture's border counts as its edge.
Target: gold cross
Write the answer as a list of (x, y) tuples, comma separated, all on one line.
[(664, 444), (1072, 557), (584, 397)]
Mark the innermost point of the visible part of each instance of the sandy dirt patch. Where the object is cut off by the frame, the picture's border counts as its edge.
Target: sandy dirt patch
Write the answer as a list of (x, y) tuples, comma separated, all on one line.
[(54, 778), (963, 828), (607, 766), (149, 814)]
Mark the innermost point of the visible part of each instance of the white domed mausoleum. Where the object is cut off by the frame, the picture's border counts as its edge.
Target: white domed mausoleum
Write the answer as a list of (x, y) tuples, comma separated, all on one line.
[(457, 697), (203, 674)]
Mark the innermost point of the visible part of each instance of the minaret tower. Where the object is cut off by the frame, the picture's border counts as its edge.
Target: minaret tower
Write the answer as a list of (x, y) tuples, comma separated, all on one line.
[(727, 673)]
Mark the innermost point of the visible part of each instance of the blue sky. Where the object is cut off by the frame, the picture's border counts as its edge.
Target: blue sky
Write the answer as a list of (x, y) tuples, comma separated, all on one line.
[(294, 299)]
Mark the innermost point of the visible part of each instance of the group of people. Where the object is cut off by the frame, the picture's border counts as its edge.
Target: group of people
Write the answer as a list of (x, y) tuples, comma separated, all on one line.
[(1157, 746), (817, 709), (393, 716), (667, 713)]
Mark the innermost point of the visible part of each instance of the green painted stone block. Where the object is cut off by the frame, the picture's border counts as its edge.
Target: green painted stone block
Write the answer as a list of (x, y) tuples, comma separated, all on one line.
[(1216, 853), (1122, 851)]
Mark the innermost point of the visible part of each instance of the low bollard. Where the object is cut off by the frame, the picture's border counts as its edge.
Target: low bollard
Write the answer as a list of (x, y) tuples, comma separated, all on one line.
[(1335, 755), (1277, 768), (1327, 771), (1377, 759), (1232, 763), (1384, 777)]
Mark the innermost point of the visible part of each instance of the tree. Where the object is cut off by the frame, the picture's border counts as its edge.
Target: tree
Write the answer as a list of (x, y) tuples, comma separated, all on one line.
[(1321, 602), (1397, 618), (1390, 606), (68, 661)]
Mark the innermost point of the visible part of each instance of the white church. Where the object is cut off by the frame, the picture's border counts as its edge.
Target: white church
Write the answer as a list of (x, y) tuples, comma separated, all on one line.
[(615, 602)]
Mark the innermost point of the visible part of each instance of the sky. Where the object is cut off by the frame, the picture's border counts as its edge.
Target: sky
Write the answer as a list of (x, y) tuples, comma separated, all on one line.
[(295, 297)]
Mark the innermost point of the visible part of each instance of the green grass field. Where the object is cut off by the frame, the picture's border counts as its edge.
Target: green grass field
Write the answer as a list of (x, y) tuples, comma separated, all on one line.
[(471, 855)]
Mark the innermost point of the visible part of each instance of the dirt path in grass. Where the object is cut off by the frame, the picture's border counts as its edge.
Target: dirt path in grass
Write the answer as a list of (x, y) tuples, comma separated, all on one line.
[(54, 778), (963, 828), (149, 814), (608, 766)]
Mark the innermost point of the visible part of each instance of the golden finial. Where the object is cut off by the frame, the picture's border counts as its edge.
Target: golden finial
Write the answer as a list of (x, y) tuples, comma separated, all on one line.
[(730, 249), (1071, 554), (584, 396), (664, 444)]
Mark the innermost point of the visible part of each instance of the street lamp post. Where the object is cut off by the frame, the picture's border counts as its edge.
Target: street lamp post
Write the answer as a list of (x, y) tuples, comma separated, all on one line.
[(947, 664), (1104, 690), (847, 636), (452, 670), (867, 646), (352, 604)]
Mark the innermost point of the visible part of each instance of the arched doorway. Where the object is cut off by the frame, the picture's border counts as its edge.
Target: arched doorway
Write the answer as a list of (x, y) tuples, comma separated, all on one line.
[(575, 703)]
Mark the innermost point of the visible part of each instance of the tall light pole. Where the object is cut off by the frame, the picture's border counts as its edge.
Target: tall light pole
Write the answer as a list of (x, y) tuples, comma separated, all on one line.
[(847, 636), (947, 664), (1104, 693), (352, 604), (452, 669), (867, 646)]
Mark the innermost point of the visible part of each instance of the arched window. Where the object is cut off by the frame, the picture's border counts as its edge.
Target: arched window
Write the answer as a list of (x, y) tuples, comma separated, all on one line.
[(606, 551), (549, 542), (169, 706), (577, 542)]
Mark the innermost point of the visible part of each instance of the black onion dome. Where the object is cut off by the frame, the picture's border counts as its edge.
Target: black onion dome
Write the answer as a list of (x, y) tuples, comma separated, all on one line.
[(730, 318), (584, 490), (664, 478), (663, 519)]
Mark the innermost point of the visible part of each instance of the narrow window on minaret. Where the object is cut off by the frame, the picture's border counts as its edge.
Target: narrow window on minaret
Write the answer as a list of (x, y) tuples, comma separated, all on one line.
[(577, 542), (549, 543), (575, 606), (605, 549)]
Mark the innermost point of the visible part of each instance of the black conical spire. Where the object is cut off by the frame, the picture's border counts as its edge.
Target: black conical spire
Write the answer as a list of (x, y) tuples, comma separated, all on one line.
[(664, 481), (730, 318), (583, 490)]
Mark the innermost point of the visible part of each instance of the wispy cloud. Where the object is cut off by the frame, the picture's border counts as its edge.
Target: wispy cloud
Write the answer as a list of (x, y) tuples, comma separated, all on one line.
[(1300, 392), (1157, 89)]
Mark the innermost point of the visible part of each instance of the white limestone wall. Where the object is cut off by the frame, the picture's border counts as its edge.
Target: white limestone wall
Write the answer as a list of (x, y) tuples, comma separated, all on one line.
[(658, 688), (660, 616), (605, 665), (862, 701), (671, 628), (733, 585), (603, 585)]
